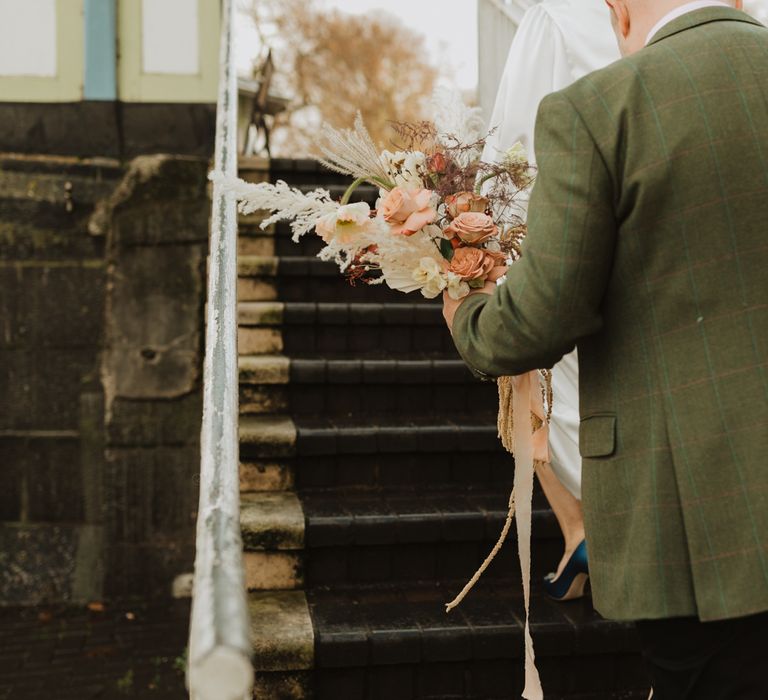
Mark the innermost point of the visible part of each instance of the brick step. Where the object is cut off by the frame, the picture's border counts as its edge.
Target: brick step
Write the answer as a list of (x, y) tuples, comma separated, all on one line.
[(301, 386), (397, 643), (276, 239), (301, 170), (279, 436), (364, 193), (278, 452), (413, 471), (374, 536), (402, 642), (297, 278), (409, 472), (356, 539), (320, 328), (308, 246)]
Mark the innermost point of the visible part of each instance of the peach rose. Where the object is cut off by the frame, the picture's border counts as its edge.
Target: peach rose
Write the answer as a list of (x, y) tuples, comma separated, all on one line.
[(407, 211), (499, 258), (472, 263), (472, 227), (465, 201)]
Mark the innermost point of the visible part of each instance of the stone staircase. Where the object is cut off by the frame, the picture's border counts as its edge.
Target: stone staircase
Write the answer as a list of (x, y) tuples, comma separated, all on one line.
[(373, 484)]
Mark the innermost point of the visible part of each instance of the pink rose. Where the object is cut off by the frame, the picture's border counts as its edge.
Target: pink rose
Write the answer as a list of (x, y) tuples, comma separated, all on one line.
[(407, 211), (472, 227), (465, 201)]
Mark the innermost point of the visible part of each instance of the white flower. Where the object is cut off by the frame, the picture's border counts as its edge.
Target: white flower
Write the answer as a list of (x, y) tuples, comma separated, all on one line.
[(344, 223), (457, 288), (516, 155), (428, 269), (429, 275), (405, 168), (434, 287), (434, 231)]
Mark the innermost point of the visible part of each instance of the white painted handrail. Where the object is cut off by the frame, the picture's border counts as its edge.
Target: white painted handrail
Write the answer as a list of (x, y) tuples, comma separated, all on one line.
[(219, 665)]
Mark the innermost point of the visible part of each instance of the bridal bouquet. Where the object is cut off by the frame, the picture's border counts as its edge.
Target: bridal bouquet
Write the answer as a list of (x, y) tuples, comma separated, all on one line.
[(445, 221)]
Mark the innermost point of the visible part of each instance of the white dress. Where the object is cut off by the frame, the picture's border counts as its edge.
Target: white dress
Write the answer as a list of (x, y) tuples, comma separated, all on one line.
[(558, 42)]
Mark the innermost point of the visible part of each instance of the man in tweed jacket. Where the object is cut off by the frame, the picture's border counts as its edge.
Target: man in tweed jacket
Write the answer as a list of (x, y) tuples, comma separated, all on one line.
[(647, 249)]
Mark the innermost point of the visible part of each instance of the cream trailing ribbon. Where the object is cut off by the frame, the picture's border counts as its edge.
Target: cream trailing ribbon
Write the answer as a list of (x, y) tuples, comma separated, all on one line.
[(524, 431)]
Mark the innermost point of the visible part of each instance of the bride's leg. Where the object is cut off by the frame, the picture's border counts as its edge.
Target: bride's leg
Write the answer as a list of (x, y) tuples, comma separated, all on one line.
[(567, 510)]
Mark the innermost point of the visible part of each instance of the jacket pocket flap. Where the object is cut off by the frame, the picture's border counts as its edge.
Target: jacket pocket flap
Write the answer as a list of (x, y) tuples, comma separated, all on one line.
[(597, 436)]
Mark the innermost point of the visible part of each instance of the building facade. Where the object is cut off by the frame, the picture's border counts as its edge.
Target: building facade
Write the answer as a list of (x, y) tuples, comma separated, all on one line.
[(108, 77)]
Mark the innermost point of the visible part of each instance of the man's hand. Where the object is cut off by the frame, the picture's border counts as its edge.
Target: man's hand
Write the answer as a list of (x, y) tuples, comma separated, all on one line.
[(450, 306)]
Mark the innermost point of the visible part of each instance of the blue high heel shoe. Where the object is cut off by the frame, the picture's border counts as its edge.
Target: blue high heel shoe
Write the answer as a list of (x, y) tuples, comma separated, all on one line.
[(571, 583)]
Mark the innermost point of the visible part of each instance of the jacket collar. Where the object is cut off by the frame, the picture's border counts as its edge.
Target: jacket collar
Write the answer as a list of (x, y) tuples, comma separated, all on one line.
[(699, 17)]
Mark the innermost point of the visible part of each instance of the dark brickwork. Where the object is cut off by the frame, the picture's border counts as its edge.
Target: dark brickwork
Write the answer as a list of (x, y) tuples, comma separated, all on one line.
[(131, 650), (102, 282), (111, 129)]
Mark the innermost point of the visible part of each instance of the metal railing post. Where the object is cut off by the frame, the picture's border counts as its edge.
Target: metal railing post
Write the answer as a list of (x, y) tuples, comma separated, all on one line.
[(219, 665)]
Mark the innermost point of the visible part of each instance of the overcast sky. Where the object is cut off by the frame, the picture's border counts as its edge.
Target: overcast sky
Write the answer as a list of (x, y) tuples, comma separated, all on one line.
[(450, 27)]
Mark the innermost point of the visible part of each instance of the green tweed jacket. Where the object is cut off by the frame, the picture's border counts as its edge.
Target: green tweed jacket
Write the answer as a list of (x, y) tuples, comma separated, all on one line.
[(648, 250)]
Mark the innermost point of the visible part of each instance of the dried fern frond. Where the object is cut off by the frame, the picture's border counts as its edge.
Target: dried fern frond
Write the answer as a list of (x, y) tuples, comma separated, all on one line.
[(511, 240), (353, 152), (285, 202)]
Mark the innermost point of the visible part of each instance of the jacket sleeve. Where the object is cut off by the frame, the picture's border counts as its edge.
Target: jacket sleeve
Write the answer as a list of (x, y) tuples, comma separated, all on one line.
[(553, 294)]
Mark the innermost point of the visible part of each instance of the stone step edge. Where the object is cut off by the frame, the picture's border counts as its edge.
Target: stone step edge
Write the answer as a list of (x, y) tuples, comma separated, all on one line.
[(282, 633), (265, 475), (272, 521), (264, 369), (272, 531), (271, 436)]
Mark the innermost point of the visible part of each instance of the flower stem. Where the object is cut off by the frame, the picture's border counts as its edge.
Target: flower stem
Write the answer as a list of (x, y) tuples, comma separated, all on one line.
[(361, 180), (351, 189), (479, 184)]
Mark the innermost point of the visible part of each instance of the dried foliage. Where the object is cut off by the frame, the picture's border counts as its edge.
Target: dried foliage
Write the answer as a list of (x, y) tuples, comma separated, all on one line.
[(457, 122), (332, 64), (414, 136), (352, 152), (507, 186), (461, 168)]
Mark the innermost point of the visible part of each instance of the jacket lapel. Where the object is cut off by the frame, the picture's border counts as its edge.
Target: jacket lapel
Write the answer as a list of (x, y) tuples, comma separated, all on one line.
[(700, 17)]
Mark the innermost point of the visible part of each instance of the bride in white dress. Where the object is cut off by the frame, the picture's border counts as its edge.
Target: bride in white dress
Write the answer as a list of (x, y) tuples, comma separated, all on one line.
[(558, 41)]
